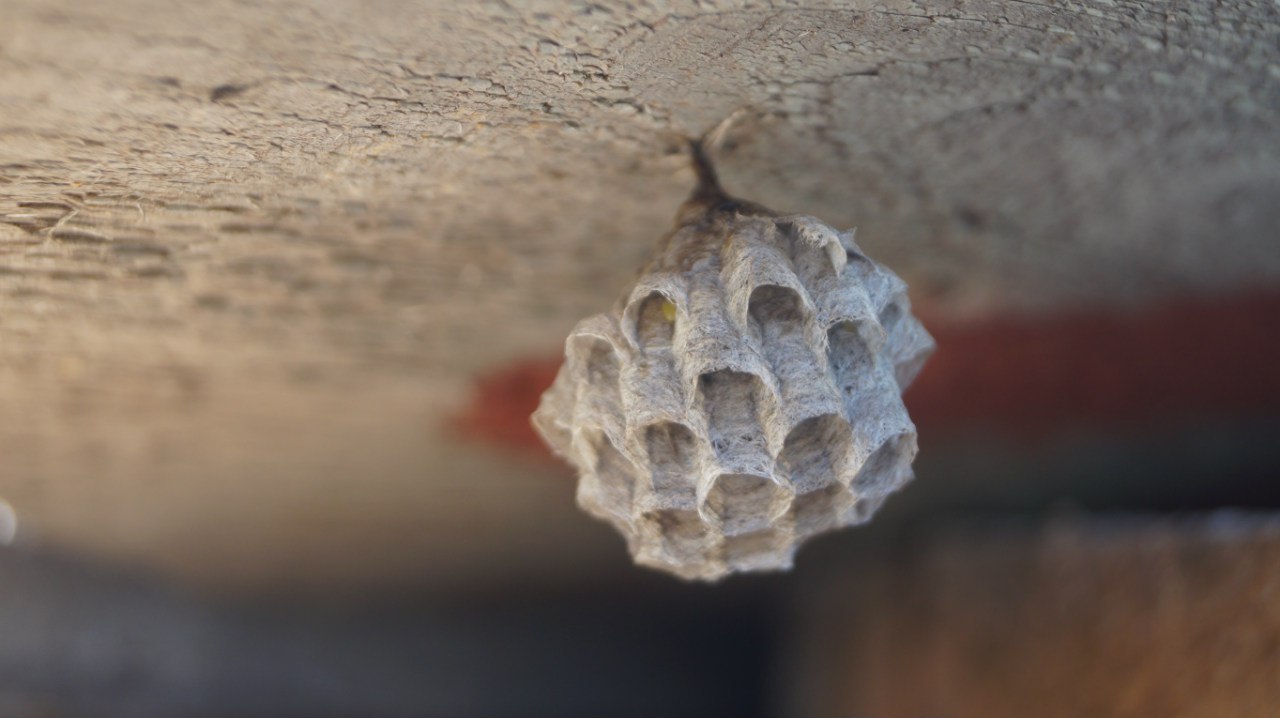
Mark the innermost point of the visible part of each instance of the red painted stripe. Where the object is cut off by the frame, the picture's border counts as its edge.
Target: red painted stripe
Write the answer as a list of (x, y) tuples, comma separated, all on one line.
[(1186, 360), (502, 402), (1178, 361)]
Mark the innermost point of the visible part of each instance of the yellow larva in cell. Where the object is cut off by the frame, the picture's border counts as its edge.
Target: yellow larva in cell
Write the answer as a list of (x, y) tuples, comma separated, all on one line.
[(668, 310)]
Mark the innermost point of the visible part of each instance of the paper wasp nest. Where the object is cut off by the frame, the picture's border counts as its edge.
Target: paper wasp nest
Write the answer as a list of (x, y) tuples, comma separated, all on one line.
[(744, 395)]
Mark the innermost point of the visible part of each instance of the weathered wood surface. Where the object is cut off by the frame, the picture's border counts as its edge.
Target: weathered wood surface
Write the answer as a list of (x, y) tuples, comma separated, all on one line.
[(1085, 616), (250, 254)]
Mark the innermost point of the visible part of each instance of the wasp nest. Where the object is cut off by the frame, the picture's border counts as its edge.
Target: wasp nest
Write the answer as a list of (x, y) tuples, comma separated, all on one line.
[(745, 395)]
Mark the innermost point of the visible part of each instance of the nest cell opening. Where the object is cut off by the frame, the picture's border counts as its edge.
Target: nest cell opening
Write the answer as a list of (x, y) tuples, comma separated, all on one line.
[(812, 260), (886, 468), (849, 357), (684, 537), (780, 319), (655, 321), (889, 316), (614, 473), (819, 510), (816, 451), (759, 550), (730, 399), (742, 503), (864, 508), (604, 398), (776, 310), (671, 448), (602, 366)]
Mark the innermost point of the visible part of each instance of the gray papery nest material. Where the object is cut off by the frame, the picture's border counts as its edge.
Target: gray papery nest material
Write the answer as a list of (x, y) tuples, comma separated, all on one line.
[(744, 395)]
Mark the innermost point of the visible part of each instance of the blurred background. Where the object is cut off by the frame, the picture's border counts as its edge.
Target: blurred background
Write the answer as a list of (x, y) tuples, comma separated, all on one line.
[(280, 284)]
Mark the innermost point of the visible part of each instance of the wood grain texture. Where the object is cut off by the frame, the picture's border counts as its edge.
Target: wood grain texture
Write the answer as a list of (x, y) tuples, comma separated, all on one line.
[(1086, 616), (250, 254)]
